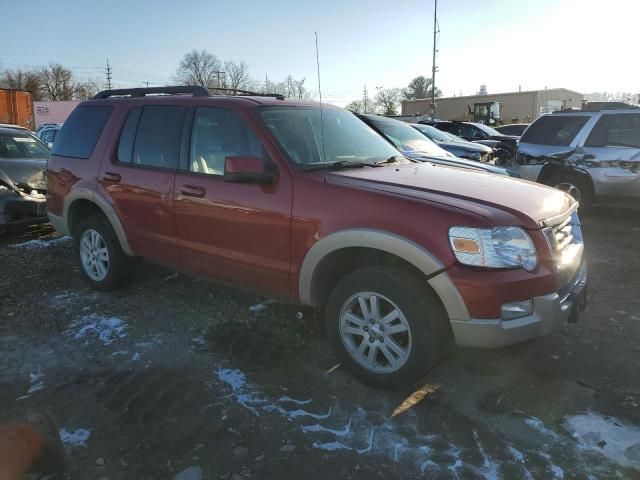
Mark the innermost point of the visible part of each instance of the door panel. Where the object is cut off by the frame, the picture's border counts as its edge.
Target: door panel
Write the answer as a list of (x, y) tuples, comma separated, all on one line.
[(232, 231), (139, 179)]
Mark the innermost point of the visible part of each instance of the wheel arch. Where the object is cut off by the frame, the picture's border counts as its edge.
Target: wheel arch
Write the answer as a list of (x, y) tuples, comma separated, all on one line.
[(356, 246), (82, 202)]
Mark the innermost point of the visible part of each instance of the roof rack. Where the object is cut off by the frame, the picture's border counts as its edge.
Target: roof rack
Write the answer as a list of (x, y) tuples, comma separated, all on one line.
[(195, 90), (598, 107)]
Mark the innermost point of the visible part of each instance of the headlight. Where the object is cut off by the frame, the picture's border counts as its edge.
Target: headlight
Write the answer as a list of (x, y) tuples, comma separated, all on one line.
[(499, 247)]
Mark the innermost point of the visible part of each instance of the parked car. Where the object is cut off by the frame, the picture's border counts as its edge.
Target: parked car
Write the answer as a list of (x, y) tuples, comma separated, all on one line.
[(504, 145), (48, 135), (513, 129), (47, 125), (23, 161), (456, 145), (414, 145), (307, 203), (593, 155)]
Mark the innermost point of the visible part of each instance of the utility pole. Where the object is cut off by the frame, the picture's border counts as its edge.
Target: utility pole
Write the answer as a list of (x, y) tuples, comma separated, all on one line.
[(217, 72), (365, 98), (434, 68), (108, 73)]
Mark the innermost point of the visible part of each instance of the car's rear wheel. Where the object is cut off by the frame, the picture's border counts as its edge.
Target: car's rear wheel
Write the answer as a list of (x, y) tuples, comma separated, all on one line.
[(386, 327), (575, 186), (103, 264)]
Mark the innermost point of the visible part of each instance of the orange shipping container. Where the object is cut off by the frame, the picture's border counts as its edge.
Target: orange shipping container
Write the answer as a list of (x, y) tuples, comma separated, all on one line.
[(16, 107)]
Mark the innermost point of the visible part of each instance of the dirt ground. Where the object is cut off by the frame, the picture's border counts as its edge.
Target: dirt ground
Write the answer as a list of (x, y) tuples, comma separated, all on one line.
[(177, 378)]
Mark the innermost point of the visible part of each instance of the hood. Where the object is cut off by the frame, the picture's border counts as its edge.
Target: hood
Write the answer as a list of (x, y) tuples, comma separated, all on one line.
[(531, 203), (28, 174), (461, 162), (469, 146)]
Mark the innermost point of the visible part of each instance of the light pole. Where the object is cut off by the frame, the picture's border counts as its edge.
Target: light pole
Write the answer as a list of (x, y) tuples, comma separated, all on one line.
[(433, 68)]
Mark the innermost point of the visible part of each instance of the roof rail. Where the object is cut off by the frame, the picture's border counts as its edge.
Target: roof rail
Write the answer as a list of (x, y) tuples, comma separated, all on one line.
[(195, 90), (235, 91)]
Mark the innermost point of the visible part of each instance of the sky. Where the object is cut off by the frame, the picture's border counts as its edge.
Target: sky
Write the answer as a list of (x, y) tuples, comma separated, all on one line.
[(503, 44)]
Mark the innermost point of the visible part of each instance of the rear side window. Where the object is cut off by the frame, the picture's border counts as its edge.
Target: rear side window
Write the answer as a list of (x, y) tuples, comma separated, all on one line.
[(622, 130), (557, 130), (448, 127), (158, 137), (81, 131), (128, 135)]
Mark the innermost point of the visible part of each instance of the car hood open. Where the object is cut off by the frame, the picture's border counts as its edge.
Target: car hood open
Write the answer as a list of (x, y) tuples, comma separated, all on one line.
[(533, 204)]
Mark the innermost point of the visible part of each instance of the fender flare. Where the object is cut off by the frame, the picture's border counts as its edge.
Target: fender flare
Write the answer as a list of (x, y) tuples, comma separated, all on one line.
[(391, 243), (82, 193)]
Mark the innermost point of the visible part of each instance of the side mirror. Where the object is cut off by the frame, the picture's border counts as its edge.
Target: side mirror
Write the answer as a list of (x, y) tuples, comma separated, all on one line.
[(248, 169)]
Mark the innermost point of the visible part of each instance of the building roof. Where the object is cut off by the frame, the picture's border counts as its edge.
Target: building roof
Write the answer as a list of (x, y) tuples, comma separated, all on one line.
[(524, 92)]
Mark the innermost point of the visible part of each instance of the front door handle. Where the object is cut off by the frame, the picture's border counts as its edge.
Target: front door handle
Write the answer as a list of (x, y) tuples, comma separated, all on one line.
[(193, 191), (111, 177)]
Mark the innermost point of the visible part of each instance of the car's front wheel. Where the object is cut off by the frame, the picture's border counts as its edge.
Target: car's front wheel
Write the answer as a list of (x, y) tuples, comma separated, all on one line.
[(103, 264), (386, 327)]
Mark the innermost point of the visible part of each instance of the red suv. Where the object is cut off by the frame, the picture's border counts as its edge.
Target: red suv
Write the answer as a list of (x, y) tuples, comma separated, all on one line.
[(306, 203)]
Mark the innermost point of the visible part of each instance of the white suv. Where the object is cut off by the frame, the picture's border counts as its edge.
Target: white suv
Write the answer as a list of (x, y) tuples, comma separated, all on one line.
[(592, 154)]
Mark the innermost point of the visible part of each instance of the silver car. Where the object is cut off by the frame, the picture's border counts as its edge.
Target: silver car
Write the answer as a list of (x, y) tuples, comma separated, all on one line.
[(593, 155)]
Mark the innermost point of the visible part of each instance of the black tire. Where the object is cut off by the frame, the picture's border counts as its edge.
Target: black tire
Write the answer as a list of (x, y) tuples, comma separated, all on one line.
[(565, 182), (119, 263), (428, 322)]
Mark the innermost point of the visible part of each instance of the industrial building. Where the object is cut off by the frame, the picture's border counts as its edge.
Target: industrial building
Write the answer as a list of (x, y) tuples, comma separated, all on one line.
[(512, 107)]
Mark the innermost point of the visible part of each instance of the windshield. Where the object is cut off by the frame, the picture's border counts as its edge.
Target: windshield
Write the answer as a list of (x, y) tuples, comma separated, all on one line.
[(433, 133), (406, 138), (346, 138), (486, 129), (21, 145)]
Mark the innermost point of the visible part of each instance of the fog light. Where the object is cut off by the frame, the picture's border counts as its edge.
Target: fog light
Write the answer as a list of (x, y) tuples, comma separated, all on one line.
[(519, 309)]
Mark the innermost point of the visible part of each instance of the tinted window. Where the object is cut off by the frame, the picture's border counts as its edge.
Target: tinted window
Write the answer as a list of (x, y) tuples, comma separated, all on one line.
[(217, 134), (81, 131), (158, 137), (128, 135), (21, 145), (557, 130), (621, 130), (448, 127)]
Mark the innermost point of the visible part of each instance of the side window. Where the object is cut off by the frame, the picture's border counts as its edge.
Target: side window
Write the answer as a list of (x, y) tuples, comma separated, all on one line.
[(128, 135), (219, 133), (622, 130), (158, 137), (448, 127), (467, 131), (46, 136), (81, 131)]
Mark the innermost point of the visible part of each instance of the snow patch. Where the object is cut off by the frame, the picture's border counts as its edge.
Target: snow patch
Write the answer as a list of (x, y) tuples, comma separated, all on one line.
[(40, 244), (539, 425), (77, 438), (607, 436), (36, 381), (106, 329)]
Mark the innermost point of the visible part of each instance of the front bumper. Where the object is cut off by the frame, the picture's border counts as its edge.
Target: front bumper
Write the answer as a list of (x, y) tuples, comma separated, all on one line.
[(550, 312), (16, 209)]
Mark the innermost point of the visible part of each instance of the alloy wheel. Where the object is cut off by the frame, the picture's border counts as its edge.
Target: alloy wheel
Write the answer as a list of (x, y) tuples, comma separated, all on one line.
[(94, 255), (375, 332)]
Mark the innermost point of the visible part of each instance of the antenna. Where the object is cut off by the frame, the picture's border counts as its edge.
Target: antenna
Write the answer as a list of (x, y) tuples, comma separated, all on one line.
[(436, 30), (107, 71), (320, 95)]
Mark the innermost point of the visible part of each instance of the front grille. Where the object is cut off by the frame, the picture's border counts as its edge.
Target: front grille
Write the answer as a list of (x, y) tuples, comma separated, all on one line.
[(566, 244)]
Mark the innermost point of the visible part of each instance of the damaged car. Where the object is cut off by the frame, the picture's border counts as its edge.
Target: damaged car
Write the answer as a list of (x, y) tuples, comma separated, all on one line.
[(23, 163), (594, 155)]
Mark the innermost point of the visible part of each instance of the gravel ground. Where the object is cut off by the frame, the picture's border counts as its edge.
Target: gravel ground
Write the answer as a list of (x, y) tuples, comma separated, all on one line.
[(172, 377)]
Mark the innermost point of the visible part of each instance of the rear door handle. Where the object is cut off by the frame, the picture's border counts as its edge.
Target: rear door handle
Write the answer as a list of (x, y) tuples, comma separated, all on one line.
[(193, 191), (111, 177)]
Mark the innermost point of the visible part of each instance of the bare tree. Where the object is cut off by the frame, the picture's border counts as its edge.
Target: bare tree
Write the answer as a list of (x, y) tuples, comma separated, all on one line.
[(57, 82), (87, 89), (28, 81), (200, 68), (387, 99), (237, 75), (420, 87), (355, 106)]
